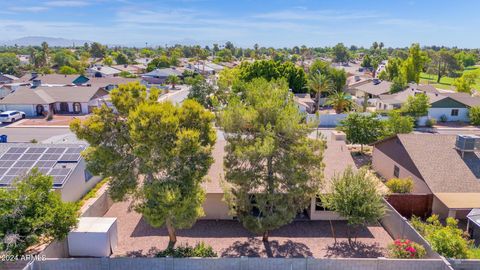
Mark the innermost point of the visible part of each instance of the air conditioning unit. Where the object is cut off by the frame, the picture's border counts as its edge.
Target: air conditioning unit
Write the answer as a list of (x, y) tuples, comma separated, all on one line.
[(467, 143)]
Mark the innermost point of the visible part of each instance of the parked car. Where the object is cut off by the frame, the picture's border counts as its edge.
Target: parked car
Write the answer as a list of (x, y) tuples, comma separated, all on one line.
[(11, 116)]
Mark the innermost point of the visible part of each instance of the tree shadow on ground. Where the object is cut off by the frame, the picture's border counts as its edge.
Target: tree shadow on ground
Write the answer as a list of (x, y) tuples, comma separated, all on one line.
[(358, 250), (254, 247)]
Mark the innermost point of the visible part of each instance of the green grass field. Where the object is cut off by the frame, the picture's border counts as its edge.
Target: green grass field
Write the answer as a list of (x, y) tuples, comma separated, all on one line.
[(447, 82)]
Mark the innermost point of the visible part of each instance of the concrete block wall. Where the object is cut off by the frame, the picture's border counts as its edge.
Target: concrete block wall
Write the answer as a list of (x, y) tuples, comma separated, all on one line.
[(238, 264)]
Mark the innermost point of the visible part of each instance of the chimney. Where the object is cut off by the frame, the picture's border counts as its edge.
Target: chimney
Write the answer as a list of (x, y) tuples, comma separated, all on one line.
[(36, 83)]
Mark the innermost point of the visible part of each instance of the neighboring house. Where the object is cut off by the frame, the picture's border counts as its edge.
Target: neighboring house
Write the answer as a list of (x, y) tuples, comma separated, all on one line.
[(61, 161), (337, 158), (372, 89), (473, 225), (436, 167), (450, 106), (216, 67), (304, 103), (6, 78), (160, 75), (55, 99), (202, 68), (24, 59), (132, 69), (35, 79), (102, 71)]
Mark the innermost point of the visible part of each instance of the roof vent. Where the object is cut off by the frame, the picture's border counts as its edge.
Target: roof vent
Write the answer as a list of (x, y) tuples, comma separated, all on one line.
[(467, 143), (376, 81), (36, 83), (34, 75)]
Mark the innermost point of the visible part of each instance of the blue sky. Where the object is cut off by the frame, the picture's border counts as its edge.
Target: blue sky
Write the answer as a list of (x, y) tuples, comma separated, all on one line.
[(276, 23)]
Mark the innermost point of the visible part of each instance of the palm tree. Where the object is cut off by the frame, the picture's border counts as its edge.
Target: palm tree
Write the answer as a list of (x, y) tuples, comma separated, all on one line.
[(319, 83), (173, 80), (340, 101)]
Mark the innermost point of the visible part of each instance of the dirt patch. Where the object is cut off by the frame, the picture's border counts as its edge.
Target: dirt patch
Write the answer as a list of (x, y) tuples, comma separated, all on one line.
[(136, 238)]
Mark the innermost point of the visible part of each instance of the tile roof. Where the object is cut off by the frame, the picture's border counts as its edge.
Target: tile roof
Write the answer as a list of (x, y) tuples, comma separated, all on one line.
[(47, 95), (374, 89)]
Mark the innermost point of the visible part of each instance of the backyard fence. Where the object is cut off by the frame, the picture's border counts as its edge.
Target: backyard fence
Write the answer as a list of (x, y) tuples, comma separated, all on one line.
[(409, 205), (243, 263), (399, 228)]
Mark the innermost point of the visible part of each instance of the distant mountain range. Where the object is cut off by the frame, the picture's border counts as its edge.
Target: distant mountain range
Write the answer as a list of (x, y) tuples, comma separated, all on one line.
[(63, 42), (37, 40)]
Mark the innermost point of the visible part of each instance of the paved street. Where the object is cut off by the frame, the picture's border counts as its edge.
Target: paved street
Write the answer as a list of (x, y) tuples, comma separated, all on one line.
[(27, 134)]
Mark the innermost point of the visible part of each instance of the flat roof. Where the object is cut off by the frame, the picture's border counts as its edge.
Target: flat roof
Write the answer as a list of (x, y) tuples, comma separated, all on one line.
[(459, 200)]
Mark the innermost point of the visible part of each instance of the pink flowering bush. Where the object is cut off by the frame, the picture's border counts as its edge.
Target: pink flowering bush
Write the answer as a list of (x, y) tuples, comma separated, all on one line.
[(406, 249)]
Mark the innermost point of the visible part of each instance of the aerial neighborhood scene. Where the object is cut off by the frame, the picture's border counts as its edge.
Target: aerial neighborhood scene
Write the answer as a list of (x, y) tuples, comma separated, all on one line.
[(211, 135)]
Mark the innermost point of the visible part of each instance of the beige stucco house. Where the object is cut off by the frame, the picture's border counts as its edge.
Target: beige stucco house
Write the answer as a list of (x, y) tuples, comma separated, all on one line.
[(336, 159), (437, 168)]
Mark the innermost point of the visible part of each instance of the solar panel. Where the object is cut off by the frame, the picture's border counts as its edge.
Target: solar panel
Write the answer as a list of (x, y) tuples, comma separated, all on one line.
[(30, 157), (10, 156), (74, 150), (16, 150), (70, 157), (43, 170), (24, 163), (17, 171), (45, 164), (36, 150), (7, 180), (3, 171), (50, 157), (6, 163), (58, 180), (60, 171), (55, 150)]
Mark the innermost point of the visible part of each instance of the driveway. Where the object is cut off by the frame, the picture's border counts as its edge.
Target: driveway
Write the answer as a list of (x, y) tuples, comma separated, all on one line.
[(26, 134)]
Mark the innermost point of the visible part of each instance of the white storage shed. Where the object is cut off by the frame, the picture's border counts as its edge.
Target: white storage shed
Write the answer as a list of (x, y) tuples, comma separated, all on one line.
[(93, 237)]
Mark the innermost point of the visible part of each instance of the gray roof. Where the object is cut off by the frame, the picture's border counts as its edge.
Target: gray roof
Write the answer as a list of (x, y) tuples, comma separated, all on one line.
[(474, 216), (104, 70), (433, 95), (374, 89), (47, 95), (441, 165), (464, 98), (11, 77), (162, 73)]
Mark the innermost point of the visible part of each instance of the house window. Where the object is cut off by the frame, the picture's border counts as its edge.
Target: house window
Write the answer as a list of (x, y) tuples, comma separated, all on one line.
[(88, 175), (319, 205), (77, 107), (396, 171), (63, 107), (454, 112)]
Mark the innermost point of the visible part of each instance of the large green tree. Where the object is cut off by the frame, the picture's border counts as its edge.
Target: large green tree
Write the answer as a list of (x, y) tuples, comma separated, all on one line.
[(30, 212), (341, 54), (414, 64), (155, 153), (444, 63), (271, 70), (319, 84), (272, 168), (9, 63)]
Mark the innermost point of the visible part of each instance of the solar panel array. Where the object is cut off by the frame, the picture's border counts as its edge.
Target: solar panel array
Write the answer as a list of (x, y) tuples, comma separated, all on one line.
[(18, 161)]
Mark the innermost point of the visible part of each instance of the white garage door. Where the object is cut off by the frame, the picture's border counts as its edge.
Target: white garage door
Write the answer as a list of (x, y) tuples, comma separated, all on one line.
[(27, 109)]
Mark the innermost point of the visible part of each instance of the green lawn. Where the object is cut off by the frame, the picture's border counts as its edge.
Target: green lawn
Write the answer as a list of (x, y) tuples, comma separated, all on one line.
[(447, 82)]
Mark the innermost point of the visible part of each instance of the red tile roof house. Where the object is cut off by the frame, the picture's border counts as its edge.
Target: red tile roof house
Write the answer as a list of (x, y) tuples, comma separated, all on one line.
[(437, 167), (336, 159)]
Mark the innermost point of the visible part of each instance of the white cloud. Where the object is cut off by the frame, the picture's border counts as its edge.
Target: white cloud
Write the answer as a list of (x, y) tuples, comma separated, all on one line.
[(28, 9), (66, 3)]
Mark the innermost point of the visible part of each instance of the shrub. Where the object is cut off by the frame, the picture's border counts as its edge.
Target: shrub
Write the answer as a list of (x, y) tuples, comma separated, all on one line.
[(448, 240), (400, 185), (430, 122), (474, 115), (443, 118), (199, 250), (406, 249)]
